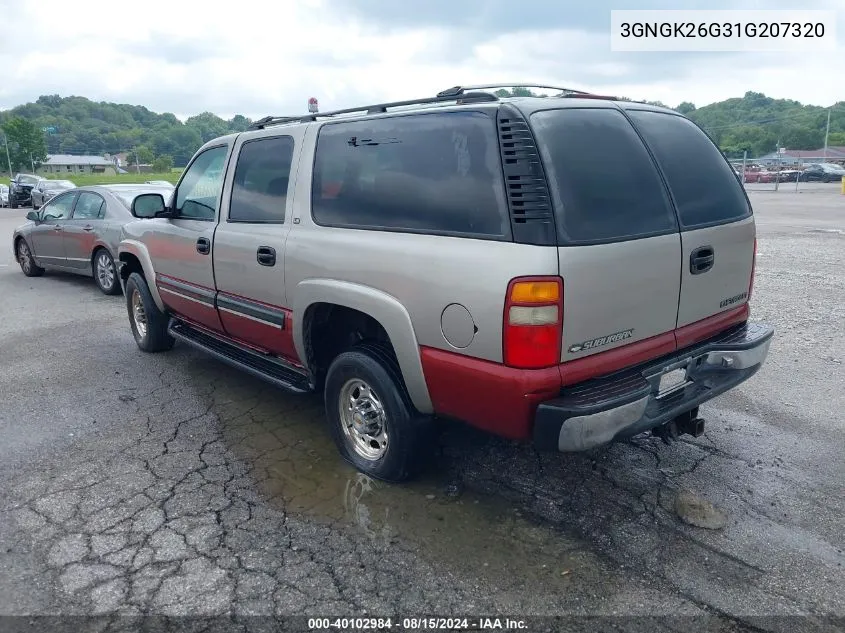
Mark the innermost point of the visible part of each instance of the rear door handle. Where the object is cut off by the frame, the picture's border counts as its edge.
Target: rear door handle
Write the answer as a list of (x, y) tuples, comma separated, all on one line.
[(203, 246), (701, 260), (57, 227), (266, 255), (88, 228)]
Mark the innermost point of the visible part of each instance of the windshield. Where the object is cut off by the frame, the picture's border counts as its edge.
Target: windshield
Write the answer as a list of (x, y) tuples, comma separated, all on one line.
[(27, 180), (831, 167), (59, 184)]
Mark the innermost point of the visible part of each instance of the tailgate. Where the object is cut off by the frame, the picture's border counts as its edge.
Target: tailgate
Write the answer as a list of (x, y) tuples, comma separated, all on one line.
[(619, 247), (717, 226)]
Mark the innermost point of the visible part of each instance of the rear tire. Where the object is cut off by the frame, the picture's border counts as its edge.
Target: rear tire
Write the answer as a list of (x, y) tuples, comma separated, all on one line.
[(371, 419), (148, 323), (26, 261), (105, 274)]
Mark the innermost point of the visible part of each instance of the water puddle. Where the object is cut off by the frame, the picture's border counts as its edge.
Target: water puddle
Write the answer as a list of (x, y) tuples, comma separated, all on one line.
[(298, 468)]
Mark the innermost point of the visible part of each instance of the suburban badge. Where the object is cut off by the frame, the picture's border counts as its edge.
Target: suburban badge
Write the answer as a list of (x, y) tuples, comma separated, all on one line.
[(602, 340)]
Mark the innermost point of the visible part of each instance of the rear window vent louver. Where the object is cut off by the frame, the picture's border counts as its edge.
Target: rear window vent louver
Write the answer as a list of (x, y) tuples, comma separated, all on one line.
[(532, 220)]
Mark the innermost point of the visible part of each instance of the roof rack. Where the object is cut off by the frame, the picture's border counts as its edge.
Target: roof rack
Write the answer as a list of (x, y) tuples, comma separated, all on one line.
[(377, 108), (457, 91), (260, 124)]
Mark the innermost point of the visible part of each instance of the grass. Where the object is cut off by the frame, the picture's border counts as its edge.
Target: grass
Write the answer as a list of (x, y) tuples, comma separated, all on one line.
[(80, 180)]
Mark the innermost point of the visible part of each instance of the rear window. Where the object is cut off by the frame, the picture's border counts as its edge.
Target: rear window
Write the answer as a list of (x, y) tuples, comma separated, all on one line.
[(434, 173), (603, 182), (705, 190)]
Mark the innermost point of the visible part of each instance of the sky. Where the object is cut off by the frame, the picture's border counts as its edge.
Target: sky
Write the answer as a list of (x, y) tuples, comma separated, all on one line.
[(257, 57)]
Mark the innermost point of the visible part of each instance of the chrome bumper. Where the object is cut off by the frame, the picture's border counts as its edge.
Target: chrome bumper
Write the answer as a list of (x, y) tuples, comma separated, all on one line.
[(630, 402)]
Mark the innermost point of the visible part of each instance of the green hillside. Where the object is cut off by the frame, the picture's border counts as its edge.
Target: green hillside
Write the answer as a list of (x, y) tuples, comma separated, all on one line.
[(757, 123), (76, 125)]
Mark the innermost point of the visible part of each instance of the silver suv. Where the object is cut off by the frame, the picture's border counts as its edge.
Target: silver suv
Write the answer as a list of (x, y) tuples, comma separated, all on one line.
[(571, 270)]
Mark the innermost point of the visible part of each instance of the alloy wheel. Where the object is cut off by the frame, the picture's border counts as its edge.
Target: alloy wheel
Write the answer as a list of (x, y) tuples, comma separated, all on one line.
[(24, 257), (364, 419), (139, 315), (105, 271)]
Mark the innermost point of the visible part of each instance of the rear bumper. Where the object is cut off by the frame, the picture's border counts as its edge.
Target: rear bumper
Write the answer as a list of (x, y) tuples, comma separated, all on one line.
[(626, 403)]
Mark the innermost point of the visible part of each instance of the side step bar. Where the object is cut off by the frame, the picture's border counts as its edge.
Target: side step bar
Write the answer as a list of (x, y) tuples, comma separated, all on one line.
[(265, 367)]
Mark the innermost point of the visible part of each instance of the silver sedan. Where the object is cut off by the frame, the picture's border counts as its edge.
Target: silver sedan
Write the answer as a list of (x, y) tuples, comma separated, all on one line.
[(46, 189), (78, 231)]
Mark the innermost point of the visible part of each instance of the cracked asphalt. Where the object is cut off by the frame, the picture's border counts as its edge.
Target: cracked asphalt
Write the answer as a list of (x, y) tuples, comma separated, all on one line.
[(172, 485)]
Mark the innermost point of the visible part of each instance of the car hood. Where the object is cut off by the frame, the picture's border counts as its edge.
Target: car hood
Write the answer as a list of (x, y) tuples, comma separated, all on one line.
[(25, 228)]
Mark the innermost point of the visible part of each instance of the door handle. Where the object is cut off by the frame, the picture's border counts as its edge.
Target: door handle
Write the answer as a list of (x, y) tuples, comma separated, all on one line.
[(701, 260), (203, 246), (57, 227), (266, 255), (88, 228)]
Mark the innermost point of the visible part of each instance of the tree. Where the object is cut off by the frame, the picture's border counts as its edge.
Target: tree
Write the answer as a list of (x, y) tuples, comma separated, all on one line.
[(685, 107), (143, 154), (163, 164), (26, 143)]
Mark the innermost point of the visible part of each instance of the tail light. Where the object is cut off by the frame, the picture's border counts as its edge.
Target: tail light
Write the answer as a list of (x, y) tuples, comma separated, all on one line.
[(753, 268), (533, 322)]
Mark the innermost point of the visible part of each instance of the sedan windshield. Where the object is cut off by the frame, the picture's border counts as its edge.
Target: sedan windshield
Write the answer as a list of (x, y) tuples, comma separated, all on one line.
[(27, 180), (58, 184)]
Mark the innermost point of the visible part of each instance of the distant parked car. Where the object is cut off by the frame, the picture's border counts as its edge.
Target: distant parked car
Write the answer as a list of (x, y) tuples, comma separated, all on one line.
[(762, 175), (163, 183), (47, 189), (789, 175), (20, 190), (823, 172), (78, 231), (4, 196)]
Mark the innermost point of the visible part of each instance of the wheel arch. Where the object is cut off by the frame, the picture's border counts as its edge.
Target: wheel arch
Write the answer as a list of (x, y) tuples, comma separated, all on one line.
[(132, 254), (385, 309)]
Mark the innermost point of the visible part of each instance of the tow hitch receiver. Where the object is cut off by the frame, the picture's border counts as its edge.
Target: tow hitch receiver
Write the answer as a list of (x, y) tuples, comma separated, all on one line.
[(685, 424)]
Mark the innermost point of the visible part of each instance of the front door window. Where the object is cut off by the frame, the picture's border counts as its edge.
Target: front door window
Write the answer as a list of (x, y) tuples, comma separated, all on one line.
[(199, 192)]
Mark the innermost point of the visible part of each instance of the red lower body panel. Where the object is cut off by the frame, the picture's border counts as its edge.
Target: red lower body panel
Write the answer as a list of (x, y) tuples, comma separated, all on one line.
[(189, 300), (503, 400)]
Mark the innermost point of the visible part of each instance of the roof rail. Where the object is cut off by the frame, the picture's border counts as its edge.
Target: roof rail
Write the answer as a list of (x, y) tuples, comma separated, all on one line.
[(376, 108), (260, 124), (457, 91)]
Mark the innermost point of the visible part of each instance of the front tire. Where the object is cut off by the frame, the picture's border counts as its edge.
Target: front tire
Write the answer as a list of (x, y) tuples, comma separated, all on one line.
[(148, 323), (371, 419), (26, 261), (105, 274)]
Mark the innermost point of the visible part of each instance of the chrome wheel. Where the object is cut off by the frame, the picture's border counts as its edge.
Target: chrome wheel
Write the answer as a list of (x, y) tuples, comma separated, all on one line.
[(105, 271), (363, 419), (24, 258), (139, 315)]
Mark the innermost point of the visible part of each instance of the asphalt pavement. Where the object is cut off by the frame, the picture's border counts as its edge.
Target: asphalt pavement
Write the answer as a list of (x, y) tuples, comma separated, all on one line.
[(171, 484)]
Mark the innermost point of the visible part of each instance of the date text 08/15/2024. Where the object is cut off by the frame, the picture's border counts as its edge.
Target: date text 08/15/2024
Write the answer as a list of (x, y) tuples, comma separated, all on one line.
[(416, 624)]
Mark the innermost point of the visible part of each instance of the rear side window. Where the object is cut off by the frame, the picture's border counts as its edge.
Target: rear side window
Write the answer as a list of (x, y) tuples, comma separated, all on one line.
[(603, 182), (434, 173), (262, 174), (704, 187), (89, 206)]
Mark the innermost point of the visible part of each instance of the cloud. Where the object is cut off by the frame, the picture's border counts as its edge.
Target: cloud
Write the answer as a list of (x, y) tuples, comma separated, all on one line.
[(260, 58)]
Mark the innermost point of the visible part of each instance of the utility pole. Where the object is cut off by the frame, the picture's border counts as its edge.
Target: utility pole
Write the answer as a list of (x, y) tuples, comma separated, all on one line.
[(32, 162), (137, 164), (826, 134), (8, 158)]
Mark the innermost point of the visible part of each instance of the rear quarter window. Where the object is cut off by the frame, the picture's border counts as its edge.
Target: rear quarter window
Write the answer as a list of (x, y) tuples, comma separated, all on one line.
[(603, 182), (705, 190), (434, 173)]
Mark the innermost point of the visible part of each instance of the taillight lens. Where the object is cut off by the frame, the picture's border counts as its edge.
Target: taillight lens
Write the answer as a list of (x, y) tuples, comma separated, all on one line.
[(753, 269), (533, 322)]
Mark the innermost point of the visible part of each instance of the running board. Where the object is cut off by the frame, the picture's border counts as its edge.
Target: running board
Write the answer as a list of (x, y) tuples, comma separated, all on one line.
[(266, 367)]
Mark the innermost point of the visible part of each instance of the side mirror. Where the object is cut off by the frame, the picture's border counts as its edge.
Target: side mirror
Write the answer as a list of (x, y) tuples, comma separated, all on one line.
[(149, 205), (32, 216)]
